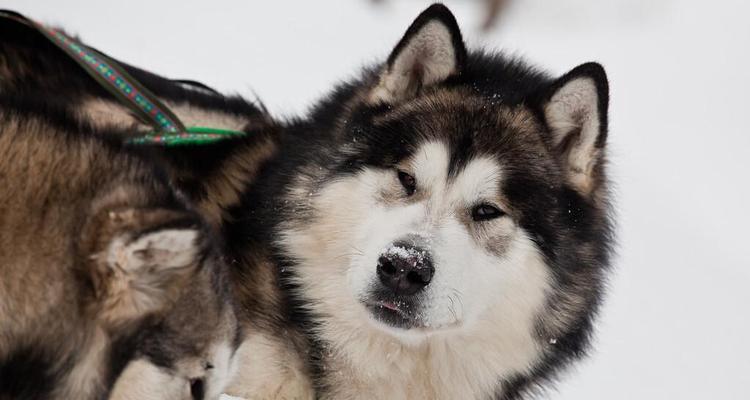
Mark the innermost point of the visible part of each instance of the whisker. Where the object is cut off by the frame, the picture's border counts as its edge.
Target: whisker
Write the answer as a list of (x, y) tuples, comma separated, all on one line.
[(340, 256), (359, 252), (458, 297), (451, 308)]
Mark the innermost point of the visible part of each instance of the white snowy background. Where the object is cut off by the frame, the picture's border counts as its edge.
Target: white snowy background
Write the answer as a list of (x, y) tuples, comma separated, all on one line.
[(676, 324)]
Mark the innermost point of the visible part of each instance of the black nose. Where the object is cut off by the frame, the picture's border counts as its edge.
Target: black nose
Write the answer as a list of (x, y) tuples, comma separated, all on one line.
[(405, 269)]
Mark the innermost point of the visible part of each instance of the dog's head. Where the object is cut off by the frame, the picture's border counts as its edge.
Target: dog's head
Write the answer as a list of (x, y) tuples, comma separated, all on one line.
[(466, 193), (159, 291)]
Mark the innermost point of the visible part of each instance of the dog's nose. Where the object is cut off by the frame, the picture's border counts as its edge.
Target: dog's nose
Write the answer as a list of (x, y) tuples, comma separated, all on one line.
[(405, 269)]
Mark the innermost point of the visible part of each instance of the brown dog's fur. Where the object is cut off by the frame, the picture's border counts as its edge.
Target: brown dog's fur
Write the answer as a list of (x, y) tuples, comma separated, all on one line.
[(101, 264), (34, 70)]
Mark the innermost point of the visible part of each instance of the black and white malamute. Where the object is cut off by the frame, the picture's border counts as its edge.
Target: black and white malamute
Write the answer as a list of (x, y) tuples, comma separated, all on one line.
[(437, 228)]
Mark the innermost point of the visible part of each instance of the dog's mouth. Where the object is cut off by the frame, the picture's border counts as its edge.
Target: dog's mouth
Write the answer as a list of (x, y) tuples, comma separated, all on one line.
[(395, 313)]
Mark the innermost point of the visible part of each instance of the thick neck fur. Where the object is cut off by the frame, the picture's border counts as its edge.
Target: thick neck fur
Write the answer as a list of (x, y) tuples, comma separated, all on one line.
[(375, 365)]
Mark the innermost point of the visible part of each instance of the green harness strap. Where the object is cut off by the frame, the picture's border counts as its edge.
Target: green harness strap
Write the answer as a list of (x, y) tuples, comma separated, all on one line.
[(168, 129)]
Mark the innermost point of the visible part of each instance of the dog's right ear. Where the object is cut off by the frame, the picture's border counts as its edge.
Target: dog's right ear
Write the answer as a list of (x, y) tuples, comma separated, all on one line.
[(139, 261), (430, 52), (575, 110)]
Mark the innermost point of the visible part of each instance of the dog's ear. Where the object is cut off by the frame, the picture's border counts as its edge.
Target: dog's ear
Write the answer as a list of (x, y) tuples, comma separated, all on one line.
[(431, 51), (140, 260), (575, 111)]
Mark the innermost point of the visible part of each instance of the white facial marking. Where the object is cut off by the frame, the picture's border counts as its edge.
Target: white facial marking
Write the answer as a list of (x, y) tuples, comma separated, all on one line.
[(479, 180), (430, 165)]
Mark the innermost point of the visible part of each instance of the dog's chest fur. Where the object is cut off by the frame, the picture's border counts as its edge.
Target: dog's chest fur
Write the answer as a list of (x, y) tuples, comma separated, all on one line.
[(440, 370)]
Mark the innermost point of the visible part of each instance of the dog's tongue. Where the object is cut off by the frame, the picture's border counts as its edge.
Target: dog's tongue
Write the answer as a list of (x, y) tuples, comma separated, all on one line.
[(389, 305)]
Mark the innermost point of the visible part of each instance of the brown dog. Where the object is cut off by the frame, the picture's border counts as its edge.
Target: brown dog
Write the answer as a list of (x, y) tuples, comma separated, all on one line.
[(106, 272)]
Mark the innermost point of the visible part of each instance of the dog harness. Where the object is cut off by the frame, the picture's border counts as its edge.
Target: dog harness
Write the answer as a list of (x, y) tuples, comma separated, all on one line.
[(168, 129)]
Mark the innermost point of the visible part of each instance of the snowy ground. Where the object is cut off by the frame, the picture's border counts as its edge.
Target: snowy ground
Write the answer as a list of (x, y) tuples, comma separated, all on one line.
[(677, 321)]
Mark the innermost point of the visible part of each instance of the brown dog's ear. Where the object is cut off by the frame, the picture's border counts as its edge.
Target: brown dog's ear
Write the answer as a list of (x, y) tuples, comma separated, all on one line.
[(575, 111), (431, 51), (140, 261)]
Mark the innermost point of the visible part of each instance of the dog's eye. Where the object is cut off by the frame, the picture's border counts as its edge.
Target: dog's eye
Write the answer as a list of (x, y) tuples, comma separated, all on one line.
[(484, 212), (197, 389), (408, 182)]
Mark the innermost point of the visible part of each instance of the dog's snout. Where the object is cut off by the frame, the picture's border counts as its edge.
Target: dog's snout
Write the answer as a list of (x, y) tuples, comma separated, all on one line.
[(405, 269)]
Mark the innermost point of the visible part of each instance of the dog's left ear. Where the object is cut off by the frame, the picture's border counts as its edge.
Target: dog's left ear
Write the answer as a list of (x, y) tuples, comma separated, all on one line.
[(140, 261), (575, 111), (430, 52)]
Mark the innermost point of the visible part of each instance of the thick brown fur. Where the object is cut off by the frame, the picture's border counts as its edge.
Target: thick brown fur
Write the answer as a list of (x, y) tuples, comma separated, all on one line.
[(71, 321), (33, 70)]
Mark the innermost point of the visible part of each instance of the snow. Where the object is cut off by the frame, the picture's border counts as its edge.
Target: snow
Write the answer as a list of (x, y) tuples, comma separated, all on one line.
[(415, 255), (399, 251), (676, 322)]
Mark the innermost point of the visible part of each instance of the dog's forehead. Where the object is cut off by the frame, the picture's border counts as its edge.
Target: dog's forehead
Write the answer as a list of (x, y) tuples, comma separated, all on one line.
[(479, 176), (469, 123), (450, 106), (430, 162)]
